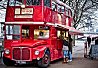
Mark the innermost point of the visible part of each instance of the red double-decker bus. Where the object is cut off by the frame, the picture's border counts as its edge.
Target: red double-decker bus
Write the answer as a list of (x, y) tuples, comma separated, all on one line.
[(33, 31)]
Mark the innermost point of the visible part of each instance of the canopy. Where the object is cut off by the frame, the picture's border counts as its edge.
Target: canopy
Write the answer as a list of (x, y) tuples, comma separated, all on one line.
[(74, 31)]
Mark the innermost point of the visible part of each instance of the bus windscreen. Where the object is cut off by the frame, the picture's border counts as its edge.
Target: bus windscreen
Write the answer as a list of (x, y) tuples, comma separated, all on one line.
[(12, 32)]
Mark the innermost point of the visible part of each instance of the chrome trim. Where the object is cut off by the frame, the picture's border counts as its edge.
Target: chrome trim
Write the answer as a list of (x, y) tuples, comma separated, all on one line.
[(21, 54), (24, 22)]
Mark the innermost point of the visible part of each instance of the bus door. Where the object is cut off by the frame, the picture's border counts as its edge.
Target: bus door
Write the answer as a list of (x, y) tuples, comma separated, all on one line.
[(53, 40), (59, 43)]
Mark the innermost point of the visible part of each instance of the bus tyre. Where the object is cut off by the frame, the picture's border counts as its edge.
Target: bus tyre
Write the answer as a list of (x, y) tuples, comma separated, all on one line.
[(8, 62), (45, 61)]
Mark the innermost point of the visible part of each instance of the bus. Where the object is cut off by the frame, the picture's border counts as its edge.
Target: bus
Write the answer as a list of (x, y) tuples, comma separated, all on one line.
[(33, 31)]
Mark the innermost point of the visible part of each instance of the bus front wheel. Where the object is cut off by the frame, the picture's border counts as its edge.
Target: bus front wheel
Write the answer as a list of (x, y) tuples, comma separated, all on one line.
[(45, 61), (8, 62)]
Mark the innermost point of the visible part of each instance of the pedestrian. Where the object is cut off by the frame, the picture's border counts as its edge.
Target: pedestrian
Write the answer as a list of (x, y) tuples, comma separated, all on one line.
[(85, 49), (65, 50), (70, 43), (70, 48), (88, 41), (96, 41)]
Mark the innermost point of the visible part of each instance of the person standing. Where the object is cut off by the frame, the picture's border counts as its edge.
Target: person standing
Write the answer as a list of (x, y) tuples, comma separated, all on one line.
[(88, 41), (96, 41), (70, 48), (65, 50)]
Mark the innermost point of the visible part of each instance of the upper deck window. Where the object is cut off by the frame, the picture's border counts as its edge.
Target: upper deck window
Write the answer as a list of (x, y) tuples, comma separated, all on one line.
[(63, 9), (67, 12), (32, 2), (54, 7), (47, 3), (59, 8), (26, 2)]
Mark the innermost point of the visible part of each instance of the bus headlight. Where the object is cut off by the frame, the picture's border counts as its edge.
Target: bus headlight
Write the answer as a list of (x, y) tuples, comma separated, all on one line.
[(37, 52), (7, 51)]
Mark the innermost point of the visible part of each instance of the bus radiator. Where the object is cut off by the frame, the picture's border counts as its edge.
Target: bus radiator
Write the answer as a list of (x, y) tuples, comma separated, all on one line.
[(21, 54)]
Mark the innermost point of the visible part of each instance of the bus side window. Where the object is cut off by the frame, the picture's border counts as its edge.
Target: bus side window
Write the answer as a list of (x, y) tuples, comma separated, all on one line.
[(70, 13), (29, 2), (36, 2), (59, 36), (62, 9), (53, 6), (59, 8), (11, 2), (47, 3), (33, 2), (66, 12), (25, 32)]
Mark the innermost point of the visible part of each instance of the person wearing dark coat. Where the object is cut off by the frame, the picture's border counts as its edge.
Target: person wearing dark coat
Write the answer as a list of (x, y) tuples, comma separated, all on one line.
[(88, 41), (65, 50), (96, 41), (70, 48)]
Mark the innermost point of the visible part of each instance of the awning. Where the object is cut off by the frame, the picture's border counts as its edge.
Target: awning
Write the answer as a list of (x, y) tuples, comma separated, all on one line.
[(74, 31)]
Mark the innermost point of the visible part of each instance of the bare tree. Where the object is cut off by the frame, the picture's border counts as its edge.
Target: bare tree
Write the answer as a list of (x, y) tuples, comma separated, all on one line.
[(3, 4), (82, 9)]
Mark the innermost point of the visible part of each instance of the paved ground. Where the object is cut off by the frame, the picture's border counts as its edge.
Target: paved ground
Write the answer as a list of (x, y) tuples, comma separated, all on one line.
[(76, 63), (78, 60)]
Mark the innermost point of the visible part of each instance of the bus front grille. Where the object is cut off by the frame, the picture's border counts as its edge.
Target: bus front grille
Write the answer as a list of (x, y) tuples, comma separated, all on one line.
[(25, 54), (21, 53)]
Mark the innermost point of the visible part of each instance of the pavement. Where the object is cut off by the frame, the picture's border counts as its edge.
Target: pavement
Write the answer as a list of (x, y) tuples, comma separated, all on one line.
[(78, 49), (78, 60)]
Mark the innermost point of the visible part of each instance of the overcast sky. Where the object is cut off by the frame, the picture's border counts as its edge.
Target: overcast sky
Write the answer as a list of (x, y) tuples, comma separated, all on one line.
[(2, 15), (2, 11)]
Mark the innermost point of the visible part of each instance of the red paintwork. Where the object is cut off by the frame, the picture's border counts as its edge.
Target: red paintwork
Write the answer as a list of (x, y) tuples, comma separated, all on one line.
[(41, 14), (37, 15)]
